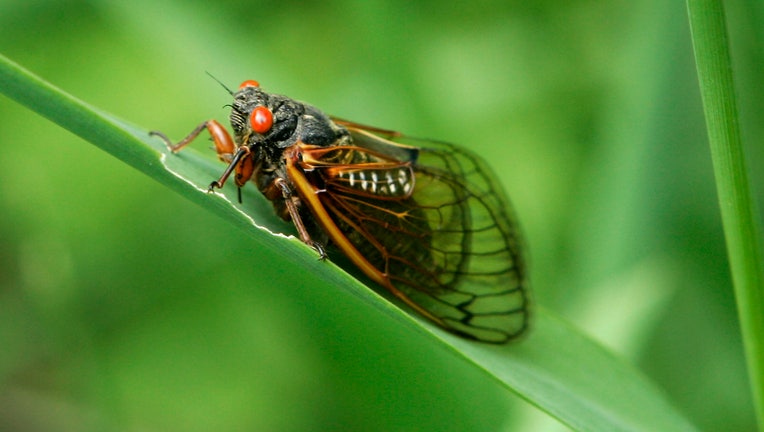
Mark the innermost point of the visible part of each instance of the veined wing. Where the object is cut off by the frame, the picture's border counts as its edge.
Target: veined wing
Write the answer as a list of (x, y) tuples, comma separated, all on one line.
[(426, 220)]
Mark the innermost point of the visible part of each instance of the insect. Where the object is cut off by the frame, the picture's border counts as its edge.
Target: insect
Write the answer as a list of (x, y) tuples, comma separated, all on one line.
[(424, 219)]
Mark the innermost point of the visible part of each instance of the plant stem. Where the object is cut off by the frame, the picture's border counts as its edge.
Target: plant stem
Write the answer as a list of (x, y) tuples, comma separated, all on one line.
[(738, 209)]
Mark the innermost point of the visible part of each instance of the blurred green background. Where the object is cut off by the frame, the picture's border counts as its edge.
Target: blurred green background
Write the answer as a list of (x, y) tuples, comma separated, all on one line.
[(124, 307)]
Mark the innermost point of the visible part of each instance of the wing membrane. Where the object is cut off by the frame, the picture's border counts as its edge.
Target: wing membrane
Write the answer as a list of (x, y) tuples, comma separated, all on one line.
[(428, 221)]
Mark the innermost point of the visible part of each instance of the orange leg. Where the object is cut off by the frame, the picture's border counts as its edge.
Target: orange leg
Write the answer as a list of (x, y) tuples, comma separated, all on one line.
[(224, 145), (237, 159)]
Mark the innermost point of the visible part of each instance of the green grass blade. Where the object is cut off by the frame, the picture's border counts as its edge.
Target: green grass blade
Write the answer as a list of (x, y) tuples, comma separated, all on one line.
[(557, 368), (738, 209)]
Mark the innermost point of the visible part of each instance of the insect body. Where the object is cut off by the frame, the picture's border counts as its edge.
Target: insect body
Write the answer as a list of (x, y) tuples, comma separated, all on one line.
[(424, 219)]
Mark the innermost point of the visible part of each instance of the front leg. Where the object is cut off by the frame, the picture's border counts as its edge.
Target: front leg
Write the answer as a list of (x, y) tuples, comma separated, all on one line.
[(238, 160), (224, 144)]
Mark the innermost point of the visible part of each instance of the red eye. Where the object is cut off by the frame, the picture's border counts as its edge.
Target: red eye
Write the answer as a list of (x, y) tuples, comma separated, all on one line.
[(261, 119), (249, 83)]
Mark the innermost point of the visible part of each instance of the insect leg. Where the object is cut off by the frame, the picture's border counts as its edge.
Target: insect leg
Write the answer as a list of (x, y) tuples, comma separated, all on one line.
[(286, 192), (241, 153), (224, 144)]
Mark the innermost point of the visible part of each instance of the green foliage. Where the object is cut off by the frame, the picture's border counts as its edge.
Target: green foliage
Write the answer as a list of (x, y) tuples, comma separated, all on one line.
[(124, 307), (739, 213)]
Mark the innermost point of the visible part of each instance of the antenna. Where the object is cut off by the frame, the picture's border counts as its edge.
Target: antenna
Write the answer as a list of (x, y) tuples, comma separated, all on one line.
[(220, 82)]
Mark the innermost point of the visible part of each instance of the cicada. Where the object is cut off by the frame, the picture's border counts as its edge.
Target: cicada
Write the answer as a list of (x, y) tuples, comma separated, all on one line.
[(426, 220)]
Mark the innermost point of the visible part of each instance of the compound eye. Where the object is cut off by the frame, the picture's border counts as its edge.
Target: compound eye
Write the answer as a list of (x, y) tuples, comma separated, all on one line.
[(261, 119), (249, 83)]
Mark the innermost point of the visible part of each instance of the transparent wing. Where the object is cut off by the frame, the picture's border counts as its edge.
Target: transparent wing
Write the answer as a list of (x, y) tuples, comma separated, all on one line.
[(428, 221)]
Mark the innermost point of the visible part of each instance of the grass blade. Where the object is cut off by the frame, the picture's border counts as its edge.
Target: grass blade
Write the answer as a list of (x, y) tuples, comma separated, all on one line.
[(738, 209)]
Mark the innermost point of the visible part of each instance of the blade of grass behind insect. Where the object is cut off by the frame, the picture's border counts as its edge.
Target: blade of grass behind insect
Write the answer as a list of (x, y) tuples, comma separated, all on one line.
[(739, 212), (557, 368)]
